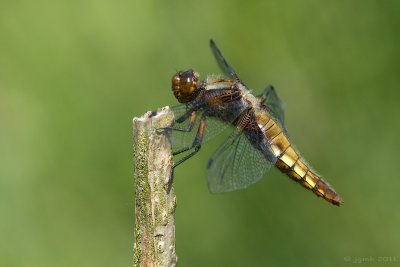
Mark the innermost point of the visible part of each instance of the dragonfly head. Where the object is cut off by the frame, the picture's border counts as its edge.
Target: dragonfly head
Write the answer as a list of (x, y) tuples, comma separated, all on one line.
[(184, 85)]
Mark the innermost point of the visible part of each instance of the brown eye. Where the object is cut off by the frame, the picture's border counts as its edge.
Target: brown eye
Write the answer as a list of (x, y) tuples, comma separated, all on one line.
[(175, 80), (184, 85)]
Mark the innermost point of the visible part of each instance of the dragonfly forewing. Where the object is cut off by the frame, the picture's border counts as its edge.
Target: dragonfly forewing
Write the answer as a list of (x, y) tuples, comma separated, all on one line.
[(222, 62)]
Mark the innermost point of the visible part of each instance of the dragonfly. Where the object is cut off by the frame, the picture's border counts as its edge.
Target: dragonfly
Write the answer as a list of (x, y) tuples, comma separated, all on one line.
[(258, 138)]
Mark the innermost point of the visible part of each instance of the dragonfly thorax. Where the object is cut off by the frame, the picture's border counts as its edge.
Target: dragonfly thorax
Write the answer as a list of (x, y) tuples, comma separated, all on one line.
[(184, 85)]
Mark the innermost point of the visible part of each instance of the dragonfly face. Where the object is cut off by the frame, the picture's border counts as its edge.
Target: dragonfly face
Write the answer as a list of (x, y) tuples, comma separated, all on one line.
[(258, 140), (184, 85)]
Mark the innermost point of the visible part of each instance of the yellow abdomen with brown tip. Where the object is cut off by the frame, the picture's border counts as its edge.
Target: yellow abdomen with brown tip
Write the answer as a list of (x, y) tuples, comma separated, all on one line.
[(291, 163)]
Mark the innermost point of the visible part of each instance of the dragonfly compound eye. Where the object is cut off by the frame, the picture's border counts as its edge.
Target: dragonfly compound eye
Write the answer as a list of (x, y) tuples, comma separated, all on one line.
[(184, 85)]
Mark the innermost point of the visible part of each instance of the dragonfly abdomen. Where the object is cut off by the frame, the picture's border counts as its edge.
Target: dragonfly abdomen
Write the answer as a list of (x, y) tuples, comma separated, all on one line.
[(291, 163)]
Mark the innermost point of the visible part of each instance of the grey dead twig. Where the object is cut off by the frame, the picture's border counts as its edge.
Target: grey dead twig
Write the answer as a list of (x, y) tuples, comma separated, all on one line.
[(154, 234)]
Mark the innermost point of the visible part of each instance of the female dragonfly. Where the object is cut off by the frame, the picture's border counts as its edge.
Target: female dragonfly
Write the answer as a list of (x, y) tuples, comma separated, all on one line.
[(258, 140)]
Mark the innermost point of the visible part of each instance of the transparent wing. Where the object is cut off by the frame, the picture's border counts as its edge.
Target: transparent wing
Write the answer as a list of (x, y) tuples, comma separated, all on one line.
[(273, 103), (181, 140), (222, 63), (236, 164)]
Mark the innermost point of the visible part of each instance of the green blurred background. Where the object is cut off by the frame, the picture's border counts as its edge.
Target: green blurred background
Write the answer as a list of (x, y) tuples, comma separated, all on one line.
[(73, 74)]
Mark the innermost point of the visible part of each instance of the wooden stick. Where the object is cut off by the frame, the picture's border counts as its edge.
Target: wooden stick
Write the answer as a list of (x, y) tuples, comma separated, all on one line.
[(154, 234)]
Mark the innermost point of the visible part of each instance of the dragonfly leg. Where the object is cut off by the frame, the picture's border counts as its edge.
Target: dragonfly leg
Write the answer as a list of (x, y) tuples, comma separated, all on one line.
[(182, 119), (196, 145)]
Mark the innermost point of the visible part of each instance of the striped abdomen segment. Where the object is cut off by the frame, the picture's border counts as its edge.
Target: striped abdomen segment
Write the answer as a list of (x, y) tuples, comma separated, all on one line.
[(290, 162)]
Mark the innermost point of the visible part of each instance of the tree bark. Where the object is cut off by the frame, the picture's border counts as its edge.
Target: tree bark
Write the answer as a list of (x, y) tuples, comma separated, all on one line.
[(154, 236)]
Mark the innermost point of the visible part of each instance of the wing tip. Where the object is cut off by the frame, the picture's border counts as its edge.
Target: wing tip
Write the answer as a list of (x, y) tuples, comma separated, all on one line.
[(212, 43), (271, 87)]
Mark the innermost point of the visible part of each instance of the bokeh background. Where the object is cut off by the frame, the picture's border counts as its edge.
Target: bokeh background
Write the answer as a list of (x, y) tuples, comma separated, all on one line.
[(73, 74)]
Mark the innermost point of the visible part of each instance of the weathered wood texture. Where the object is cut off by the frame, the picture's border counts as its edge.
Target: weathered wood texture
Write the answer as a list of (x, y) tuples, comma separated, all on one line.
[(154, 243)]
